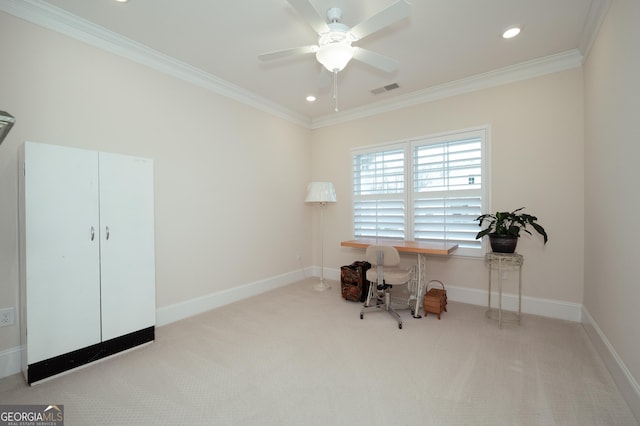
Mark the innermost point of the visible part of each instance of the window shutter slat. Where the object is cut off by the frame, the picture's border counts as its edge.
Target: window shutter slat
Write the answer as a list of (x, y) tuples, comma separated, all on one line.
[(450, 219), (379, 218)]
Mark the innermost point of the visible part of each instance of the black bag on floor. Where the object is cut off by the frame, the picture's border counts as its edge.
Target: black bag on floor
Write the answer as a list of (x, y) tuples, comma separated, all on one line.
[(353, 281)]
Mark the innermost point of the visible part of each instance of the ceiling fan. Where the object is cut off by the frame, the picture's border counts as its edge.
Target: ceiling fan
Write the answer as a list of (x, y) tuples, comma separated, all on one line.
[(334, 49)]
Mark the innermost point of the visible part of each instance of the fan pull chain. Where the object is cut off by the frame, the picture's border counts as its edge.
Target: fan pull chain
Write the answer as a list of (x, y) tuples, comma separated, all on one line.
[(335, 90)]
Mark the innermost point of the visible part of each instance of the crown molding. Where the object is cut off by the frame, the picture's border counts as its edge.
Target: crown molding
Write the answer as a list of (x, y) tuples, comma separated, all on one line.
[(597, 12), (45, 15), (562, 61), (523, 71)]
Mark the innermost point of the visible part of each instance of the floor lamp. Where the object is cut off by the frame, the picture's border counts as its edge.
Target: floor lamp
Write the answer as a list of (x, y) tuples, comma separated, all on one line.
[(321, 193)]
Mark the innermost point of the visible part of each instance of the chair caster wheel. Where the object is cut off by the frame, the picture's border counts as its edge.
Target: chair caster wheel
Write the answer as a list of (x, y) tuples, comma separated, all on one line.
[(400, 326), (361, 315)]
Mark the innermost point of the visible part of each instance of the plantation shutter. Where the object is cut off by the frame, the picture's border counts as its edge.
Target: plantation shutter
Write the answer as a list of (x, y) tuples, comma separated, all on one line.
[(447, 189), (379, 200), (427, 189)]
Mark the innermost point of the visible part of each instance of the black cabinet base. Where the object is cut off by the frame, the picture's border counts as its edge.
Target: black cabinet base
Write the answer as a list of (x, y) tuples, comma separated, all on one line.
[(61, 363)]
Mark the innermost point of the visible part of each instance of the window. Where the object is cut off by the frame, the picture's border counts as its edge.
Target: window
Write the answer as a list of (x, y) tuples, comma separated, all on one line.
[(430, 188)]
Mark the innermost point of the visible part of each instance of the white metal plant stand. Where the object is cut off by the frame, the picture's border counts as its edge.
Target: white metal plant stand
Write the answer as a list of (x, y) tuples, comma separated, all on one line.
[(504, 262)]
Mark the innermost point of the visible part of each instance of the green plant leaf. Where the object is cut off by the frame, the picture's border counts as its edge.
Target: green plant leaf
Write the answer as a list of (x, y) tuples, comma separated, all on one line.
[(509, 223)]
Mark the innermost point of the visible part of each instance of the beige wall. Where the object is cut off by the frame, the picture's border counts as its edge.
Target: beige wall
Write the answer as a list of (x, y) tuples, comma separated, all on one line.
[(229, 180), (612, 197), (536, 147)]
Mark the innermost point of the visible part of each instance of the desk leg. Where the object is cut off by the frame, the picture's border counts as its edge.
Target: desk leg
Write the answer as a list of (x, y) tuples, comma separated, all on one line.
[(421, 282)]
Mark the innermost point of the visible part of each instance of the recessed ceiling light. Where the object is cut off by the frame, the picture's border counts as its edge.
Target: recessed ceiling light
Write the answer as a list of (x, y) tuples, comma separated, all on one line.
[(311, 98), (511, 32), (122, 1)]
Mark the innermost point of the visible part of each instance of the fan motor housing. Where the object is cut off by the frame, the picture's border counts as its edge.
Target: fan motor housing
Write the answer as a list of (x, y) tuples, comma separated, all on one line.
[(334, 14)]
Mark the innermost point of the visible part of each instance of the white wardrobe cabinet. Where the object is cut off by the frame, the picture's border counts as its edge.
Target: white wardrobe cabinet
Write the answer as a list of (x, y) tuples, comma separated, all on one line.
[(87, 268)]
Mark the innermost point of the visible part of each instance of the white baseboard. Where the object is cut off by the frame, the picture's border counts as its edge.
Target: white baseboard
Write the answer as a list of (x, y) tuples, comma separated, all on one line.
[(10, 361), (172, 313), (530, 305), (626, 383)]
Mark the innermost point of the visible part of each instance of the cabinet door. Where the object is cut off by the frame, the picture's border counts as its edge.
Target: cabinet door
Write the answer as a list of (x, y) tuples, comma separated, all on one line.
[(61, 261), (127, 244)]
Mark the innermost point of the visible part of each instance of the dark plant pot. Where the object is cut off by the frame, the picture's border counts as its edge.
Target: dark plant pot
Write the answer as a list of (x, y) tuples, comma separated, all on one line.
[(503, 243)]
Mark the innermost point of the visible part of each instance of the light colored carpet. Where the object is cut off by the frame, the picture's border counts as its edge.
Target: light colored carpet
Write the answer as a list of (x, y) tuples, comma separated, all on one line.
[(297, 357)]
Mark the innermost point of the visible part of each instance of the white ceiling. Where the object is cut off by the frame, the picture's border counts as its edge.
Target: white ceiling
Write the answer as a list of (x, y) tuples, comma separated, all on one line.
[(443, 41)]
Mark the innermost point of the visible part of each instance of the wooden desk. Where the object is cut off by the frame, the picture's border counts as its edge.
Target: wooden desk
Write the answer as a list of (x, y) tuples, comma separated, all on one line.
[(420, 248), (404, 246)]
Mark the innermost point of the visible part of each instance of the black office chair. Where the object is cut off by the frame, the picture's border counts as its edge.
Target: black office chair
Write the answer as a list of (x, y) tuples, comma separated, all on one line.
[(383, 274)]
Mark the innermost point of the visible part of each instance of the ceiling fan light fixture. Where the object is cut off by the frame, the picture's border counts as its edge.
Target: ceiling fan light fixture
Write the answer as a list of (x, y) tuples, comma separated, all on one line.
[(335, 56), (334, 49)]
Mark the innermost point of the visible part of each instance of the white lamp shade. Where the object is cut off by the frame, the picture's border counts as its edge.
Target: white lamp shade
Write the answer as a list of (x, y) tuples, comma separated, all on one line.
[(320, 192), (335, 56)]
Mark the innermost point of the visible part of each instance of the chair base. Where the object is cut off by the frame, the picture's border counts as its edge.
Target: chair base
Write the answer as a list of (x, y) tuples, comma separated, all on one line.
[(381, 305)]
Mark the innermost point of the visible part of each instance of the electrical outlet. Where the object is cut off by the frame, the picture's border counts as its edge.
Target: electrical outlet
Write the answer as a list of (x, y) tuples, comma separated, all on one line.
[(7, 317)]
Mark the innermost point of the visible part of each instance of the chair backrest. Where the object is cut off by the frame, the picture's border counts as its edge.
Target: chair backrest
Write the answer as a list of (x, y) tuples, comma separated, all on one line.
[(390, 255)]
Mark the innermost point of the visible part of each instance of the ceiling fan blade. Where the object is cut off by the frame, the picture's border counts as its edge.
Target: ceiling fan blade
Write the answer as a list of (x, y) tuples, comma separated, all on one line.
[(311, 15), (303, 50), (392, 14), (376, 60)]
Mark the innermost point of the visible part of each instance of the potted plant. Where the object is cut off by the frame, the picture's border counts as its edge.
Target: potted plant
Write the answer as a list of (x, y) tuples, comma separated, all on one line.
[(503, 229)]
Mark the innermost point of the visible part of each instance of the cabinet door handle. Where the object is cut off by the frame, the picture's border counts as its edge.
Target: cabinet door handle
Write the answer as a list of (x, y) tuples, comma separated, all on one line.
[(93, 233), (107, 229)]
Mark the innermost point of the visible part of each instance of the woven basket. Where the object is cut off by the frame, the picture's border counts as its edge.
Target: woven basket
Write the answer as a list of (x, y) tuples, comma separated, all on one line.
[(437, 287), (435, 299)]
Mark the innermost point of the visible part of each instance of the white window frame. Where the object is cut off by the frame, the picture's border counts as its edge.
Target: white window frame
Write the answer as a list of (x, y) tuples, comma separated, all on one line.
[(482, 132)]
